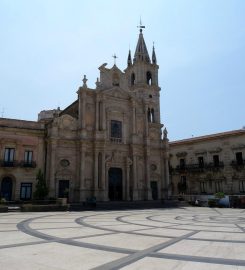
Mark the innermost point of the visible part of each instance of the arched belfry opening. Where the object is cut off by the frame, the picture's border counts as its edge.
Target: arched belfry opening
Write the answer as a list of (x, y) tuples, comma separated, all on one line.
[(148, 78), (132, 79), (151, 116)]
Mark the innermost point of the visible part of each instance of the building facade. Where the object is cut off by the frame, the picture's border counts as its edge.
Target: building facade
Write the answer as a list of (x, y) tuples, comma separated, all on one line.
[(209, 164), (110, 144), (107, 144)]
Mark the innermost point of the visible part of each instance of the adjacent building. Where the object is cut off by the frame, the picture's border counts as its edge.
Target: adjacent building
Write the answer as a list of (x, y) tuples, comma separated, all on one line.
[(209, 164)]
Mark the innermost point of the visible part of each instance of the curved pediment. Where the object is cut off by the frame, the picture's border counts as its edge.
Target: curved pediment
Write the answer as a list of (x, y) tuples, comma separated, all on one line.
[(66, 122)]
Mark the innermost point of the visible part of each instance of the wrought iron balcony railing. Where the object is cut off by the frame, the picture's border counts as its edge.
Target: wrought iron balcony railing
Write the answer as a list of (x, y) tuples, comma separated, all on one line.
[(28, 164), (8, 163), (116, 140), (14, 163), (198, 167), (238, 163)]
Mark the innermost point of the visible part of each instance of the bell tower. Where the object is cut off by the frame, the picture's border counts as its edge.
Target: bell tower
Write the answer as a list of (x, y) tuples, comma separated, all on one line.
[(142, 77), (142, 71)]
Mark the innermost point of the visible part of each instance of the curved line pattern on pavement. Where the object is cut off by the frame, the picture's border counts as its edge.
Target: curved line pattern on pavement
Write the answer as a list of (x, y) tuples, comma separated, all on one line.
[(114, 223)]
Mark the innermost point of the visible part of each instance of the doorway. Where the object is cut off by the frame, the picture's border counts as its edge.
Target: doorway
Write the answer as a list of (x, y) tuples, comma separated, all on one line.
[(6, 188), (64, 186), (115, 184), (154, 190)]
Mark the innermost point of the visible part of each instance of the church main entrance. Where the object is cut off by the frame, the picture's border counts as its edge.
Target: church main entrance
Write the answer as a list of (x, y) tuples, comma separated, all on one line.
[(63, 189), (115, 184)]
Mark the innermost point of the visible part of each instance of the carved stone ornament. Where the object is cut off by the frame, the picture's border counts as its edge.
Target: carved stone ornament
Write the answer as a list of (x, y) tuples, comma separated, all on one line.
[(153, 167), (238, 147), (64, 163), (200, 152), (181, 154), (215, 150)]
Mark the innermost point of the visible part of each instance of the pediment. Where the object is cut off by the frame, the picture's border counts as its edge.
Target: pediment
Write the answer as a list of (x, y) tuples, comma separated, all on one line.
[(66, 122), (117, 92)]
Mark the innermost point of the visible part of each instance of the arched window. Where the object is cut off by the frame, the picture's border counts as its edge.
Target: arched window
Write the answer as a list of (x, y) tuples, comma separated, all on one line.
[(148, 78), (149, 115), (132, 79), (152, 116)]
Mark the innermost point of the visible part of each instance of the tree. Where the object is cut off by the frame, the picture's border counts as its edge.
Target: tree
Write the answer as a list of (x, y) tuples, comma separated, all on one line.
[(41, 187), (219, 195)]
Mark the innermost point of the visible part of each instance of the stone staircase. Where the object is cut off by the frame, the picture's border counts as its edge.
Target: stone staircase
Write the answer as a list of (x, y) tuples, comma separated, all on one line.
[(127, 205)]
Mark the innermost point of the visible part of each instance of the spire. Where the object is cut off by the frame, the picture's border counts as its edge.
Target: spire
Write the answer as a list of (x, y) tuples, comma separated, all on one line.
[(129, 58), (141, 53), (154, 59)]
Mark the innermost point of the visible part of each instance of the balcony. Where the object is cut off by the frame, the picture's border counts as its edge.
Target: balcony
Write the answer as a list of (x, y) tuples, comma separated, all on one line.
[(238, 164), (116, 140), (198, 168), (28, 164), (12, 164), (8, 163)]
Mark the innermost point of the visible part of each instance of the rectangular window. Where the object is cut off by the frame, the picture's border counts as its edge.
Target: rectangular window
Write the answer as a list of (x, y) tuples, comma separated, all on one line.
[(200, 162), (28, 157), (239, 158), (9, 157), (242, 186), (203, 187), (116, 130), (182, 163), (25, 191), (216, 160)]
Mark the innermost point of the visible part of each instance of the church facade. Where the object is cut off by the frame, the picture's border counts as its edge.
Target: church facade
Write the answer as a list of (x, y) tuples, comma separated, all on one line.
[(108, 144)]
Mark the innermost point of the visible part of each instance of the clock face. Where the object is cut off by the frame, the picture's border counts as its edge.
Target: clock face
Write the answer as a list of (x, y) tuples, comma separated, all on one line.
[(64, 163)]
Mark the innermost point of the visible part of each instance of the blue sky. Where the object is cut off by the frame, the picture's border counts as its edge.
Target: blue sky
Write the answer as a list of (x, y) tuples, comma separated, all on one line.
[(47, 46)]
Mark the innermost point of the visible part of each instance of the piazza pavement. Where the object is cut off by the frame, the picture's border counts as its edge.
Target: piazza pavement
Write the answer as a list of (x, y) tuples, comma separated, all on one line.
[(195, 238)]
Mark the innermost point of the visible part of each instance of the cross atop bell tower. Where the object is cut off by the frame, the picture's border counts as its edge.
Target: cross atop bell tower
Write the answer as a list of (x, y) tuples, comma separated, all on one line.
[(141, 26)]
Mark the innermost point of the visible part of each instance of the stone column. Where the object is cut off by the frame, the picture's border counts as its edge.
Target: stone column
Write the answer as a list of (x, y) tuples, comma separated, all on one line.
[(52, 178), (82, 107), (134, 117), (82, 172), (135, 178), (97, 112), (96, 188), (103, 184), (103, 114), (167, 176), (127, 197), (147, 175)]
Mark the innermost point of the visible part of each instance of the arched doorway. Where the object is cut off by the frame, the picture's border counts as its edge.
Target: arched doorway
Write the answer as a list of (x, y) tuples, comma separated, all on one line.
[(115, 184), (6, 188)]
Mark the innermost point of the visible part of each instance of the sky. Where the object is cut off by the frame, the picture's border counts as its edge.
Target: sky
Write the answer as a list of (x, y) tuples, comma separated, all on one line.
[(47, 46)]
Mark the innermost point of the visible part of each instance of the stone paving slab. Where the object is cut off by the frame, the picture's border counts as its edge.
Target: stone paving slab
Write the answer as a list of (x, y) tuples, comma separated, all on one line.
[(183, 238)]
